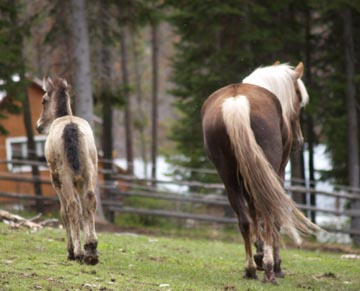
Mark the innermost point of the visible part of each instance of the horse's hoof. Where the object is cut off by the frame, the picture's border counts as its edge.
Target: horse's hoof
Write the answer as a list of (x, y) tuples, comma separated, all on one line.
[(250, 273), (258, 258), (269, 275)]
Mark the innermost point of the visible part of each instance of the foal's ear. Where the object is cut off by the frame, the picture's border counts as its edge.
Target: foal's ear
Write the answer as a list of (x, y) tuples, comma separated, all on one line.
[(65, 83), (299, 70), (48, 84)]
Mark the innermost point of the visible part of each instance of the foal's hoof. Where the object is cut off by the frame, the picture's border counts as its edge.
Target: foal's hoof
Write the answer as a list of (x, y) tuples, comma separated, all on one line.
[(71, 256), (91, 255), (91, 260), (271, 280), (279, 274), (250, 273), (79, 258)]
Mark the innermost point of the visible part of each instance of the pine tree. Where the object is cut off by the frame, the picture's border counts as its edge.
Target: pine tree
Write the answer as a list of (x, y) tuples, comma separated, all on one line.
[(14, 28), (10, 50), (220, 46)]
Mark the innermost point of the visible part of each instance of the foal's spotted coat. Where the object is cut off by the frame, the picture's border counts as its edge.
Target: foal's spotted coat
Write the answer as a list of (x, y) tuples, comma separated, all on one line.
[(71, 154)]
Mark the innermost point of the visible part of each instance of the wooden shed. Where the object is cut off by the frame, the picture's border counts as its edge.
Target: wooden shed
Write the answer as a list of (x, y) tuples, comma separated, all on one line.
[(13, 147)]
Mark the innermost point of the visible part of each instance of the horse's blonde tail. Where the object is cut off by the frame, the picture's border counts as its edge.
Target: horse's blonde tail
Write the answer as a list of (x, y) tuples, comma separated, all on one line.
[(271, 202)]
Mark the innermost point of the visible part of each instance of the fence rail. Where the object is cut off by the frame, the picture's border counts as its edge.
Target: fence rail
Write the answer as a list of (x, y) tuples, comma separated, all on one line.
[(115, 200)]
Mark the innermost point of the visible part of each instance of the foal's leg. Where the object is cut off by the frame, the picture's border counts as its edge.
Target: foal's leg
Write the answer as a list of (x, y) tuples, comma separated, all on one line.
[(89, 208), (90, 246), (73, 211), (65, 220), (55, 178)]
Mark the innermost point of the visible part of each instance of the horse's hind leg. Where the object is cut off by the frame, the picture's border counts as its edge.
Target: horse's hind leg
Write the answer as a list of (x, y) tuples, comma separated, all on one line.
[(237, 202), (259, 244), (258, 257), (277, 261), (250, 267), (89, 208), (268, 260)]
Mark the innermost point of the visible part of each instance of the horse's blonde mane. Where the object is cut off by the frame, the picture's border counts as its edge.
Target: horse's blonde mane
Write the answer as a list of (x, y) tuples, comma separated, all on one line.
[(278, 79)]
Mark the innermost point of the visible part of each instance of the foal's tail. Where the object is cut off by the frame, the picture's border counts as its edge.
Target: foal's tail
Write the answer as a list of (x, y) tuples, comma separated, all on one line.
[(271, 202), (71, 137)]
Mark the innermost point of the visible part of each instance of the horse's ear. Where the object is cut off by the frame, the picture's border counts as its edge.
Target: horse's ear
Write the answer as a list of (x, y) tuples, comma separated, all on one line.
[(48, 84), (276, 63), (299, 70)]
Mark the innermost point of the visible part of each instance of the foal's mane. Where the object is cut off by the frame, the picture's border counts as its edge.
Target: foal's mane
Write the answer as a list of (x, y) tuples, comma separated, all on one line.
[(279, 79), (61, 97)]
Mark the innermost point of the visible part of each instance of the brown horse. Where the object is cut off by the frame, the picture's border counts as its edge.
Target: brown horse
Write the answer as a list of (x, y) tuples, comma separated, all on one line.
[(71, 154), (249, 130)]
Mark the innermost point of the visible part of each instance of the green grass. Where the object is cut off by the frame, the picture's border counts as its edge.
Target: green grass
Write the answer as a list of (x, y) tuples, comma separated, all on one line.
[(37, 261)]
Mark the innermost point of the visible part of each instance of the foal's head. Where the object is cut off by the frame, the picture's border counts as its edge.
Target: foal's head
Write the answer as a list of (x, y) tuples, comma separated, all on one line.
[(55, 103)]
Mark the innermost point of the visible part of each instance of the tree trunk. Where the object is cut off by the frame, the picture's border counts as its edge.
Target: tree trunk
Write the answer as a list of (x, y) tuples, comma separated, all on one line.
[(154, 131), (312, 183), (298, 176), (309, 117), (352, 134), (81, 75), (105, 96), (81, 55), (32, 156), (23, 92), (128, 113), (141, 118)]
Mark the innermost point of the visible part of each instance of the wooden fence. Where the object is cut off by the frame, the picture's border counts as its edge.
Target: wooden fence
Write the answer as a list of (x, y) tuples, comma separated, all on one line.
[(143, 188), (213, 207)]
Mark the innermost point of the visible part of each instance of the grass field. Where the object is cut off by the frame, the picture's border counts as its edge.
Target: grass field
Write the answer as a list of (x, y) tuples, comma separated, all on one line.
[(37, 261)]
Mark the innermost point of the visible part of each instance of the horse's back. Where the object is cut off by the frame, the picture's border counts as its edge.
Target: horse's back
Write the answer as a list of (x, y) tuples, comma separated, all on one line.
[(262, 102)]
